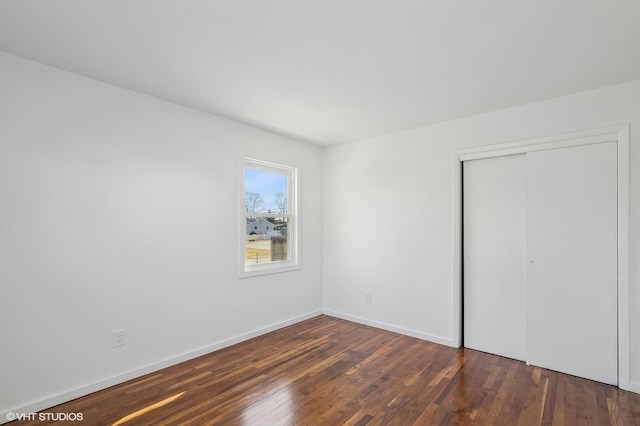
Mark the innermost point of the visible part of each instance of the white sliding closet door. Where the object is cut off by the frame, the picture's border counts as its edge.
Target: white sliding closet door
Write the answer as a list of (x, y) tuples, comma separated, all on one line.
[(572, 269), (494, 255), (540, 258)]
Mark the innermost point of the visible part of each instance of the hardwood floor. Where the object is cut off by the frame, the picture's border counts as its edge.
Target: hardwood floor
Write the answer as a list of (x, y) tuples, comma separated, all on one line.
[(327, 371)]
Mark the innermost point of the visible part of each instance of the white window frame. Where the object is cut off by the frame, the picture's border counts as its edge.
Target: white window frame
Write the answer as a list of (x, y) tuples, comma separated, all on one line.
[(292, 215)]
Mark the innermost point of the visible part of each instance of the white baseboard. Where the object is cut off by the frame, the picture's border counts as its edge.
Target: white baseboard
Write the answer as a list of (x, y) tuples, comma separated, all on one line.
[(633, 387), (121, 378), (412, 333)]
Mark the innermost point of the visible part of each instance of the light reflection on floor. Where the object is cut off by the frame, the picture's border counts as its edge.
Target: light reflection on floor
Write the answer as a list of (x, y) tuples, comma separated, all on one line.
[(274, 410), (148, 408)]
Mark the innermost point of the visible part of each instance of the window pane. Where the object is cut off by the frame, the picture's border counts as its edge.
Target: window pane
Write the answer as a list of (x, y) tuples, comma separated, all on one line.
[(266, 240), (265, 191)]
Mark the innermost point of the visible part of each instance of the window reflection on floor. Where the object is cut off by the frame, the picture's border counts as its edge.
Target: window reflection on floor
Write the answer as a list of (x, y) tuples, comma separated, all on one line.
[(276, 409)]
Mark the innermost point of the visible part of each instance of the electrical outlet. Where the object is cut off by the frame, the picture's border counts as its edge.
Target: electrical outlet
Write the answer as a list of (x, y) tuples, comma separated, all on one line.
[(367, 297), (118, 338)]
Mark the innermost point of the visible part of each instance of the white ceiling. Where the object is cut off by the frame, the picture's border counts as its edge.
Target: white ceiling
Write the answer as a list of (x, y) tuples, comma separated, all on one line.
[(331, 71)]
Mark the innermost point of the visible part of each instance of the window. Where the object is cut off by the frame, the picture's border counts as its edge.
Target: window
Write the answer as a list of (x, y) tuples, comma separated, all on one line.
[(269, 220)]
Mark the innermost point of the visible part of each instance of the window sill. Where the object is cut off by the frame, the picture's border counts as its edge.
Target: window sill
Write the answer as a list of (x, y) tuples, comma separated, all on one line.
[(260, 270)]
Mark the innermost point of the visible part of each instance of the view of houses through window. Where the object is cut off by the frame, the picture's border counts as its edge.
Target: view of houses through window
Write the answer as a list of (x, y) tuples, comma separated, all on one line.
[(267, 214)]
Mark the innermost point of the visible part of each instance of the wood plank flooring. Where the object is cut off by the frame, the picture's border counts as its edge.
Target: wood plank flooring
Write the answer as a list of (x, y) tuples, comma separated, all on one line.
[(327, 371)]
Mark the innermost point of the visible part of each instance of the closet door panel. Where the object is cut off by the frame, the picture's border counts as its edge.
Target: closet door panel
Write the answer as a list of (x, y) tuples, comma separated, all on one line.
[(572, 260), (494, 255)]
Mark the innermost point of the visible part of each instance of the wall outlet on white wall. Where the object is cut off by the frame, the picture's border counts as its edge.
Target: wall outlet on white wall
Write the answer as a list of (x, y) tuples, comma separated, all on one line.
[(367, 296), (118, 338)]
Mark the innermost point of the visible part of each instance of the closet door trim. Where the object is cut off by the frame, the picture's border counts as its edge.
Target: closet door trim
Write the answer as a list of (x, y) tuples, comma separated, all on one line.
[(618, 134)]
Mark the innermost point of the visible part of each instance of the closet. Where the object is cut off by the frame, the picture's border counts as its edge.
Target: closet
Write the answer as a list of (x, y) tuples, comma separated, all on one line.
[(540, 258)]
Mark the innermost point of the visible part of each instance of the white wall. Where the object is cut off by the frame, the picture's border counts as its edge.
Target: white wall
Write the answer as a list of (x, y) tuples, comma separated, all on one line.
[(119, 211), (389, 217)]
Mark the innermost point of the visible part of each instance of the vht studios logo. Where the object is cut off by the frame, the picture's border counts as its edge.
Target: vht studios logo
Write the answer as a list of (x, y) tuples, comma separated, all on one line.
[(51, 417)]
